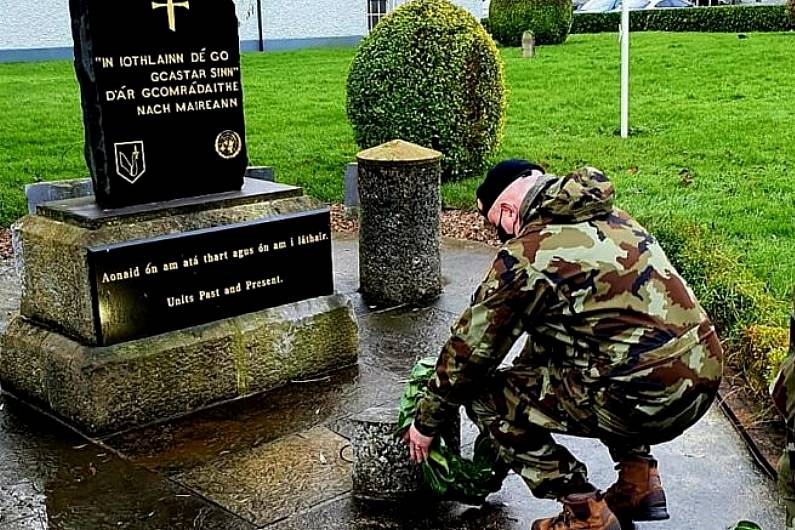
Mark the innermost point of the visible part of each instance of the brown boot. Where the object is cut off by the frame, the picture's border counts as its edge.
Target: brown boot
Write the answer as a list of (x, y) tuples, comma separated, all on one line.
[(581, 511), (638, 494)]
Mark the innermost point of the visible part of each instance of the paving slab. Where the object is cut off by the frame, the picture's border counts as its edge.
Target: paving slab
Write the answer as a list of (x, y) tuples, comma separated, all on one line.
[(395, 340), (464, 264), (710, 480), (184, 443), (273, 481), (52, 478)]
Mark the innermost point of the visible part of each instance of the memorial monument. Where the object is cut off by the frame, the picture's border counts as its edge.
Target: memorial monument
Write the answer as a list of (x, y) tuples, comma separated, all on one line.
[(181, 283)]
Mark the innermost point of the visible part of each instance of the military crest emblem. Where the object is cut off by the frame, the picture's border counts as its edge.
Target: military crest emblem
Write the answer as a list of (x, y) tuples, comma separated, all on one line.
[(228, 144), (130, 160)]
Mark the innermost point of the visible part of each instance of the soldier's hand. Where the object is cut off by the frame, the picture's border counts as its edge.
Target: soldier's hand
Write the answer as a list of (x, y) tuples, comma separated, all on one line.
[(419, 444)]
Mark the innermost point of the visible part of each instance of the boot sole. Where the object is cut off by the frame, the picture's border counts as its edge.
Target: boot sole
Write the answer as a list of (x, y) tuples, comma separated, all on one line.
[(629, 523), (652, 514), (648, 514)]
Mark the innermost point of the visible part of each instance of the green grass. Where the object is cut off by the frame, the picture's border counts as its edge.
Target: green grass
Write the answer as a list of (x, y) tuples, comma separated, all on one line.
[(719, 107)]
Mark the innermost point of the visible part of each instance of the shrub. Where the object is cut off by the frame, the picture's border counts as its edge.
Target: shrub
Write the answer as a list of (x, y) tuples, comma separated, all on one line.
[(791, 12), (430, 74), (759, 354), (728, 19), (549, 20)]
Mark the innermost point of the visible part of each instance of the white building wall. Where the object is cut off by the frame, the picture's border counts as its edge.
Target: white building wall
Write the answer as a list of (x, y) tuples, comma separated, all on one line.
[(247, 18), (28, 26), (305, 19), (34, 24)]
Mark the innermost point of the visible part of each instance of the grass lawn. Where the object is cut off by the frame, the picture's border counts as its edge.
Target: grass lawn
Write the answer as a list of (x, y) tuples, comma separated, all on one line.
[(720, 108)]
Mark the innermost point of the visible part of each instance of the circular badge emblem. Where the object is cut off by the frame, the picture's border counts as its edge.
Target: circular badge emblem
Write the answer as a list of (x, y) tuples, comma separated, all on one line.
[(228, 144)]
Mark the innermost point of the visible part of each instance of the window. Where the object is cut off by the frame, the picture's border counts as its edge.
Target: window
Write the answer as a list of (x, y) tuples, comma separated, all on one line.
[(376, 10)]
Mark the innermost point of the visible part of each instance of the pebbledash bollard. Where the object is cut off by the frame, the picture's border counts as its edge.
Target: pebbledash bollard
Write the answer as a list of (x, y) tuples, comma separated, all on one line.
[(399, 235), (382, 470)]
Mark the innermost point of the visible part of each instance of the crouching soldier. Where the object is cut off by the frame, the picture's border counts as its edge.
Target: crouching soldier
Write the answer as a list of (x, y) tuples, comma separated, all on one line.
[(783, 390), (618, 348)]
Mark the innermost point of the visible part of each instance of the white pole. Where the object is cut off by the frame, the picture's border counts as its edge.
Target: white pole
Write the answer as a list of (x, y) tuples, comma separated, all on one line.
[(625, 69)]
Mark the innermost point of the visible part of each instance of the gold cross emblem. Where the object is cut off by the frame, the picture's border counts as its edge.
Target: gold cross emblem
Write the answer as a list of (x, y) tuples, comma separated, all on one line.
[(170, 6)]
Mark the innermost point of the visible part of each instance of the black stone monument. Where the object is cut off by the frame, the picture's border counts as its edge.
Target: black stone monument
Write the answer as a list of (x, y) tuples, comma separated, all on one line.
[(162, 98), (181, 283)]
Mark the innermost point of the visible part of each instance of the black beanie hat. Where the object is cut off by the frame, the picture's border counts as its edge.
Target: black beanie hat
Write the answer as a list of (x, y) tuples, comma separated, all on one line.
[(500, 177)]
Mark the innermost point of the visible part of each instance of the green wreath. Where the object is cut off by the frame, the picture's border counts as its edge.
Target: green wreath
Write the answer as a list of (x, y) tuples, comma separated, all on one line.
[(445, 472)]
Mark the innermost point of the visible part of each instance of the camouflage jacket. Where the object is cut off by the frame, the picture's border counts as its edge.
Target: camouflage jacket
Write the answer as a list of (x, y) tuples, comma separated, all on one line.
[(600, 303), (783, 388)]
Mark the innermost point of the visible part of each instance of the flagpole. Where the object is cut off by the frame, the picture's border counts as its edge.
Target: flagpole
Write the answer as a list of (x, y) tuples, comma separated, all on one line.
[(624, 69)]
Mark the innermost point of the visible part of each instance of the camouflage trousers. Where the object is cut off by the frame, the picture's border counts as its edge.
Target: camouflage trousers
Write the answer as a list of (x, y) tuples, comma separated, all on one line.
[(517, 414), (786, 486)]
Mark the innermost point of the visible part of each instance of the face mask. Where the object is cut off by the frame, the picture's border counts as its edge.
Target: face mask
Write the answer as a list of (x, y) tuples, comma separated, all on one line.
[(502, 233)]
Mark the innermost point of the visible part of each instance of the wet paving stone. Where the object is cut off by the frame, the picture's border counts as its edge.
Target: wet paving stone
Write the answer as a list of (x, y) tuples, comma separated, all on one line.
[(51, 478), (351, 514), (276, 480), (195, 440), (464, 265), (394, 340)]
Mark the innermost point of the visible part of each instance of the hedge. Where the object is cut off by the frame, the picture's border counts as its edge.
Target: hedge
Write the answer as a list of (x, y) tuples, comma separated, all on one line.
[(727, 19), (549, 20)]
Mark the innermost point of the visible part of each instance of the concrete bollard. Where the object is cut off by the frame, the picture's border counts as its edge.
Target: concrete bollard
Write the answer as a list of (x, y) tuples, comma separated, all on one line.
[(528, 45), (382, 470), (400, 210)]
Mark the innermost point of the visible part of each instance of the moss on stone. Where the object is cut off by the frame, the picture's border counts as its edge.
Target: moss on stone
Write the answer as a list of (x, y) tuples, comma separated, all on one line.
[(111, 388)]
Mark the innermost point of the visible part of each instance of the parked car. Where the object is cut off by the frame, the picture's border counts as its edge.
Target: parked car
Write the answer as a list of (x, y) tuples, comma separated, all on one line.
[(598, 6), (633, 4), (661, 4)]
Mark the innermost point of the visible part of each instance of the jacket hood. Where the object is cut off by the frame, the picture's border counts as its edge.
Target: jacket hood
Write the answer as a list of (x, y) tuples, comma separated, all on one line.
[(580, 196)]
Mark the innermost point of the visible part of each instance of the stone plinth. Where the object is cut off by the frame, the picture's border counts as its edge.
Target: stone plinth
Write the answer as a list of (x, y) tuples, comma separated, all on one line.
[(400, 210), (53, 245), (51, 354), (41, 192), (528, 45)]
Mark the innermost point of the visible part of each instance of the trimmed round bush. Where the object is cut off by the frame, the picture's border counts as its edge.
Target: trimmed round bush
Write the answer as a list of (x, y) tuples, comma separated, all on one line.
[(549, 20), (430, 74)]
